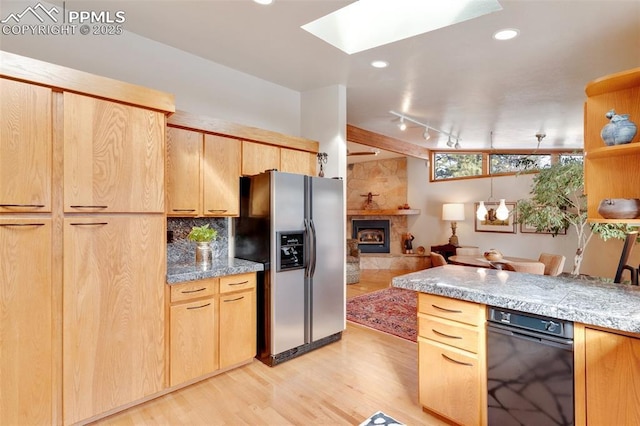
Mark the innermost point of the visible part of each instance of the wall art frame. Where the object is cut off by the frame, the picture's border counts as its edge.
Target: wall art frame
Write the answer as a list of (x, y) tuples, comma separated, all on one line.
[(493, 224), (525, 228)]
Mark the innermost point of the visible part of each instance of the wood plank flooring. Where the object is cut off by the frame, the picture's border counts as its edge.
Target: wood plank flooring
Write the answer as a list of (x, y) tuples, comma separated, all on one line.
[(340, 384)]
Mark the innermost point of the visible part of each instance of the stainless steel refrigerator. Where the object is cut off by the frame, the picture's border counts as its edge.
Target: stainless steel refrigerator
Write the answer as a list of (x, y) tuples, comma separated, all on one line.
[(294, 225)]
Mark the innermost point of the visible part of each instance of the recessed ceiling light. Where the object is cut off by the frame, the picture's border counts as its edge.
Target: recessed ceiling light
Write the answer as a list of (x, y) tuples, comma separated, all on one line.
[(265, 2), (506, 34), (379, 64)]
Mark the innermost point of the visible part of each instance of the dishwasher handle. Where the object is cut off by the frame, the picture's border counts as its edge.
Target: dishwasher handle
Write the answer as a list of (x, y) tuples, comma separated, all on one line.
[(543, 339)]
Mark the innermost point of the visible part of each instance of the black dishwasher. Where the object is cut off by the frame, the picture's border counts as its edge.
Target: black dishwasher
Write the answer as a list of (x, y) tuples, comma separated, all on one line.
[(529, 369)]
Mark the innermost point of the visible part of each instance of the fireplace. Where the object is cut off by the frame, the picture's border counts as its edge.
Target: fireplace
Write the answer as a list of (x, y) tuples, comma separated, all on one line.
[(372, 235)]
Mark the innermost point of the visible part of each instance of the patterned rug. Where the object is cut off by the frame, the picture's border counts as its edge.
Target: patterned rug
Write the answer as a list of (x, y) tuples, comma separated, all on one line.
[(392, 310)]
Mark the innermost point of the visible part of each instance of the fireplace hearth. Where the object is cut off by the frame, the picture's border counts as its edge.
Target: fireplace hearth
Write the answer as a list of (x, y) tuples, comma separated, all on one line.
[(372, 235)]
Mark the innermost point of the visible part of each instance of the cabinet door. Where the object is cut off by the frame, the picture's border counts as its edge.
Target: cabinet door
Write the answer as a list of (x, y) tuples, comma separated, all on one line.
[(256, 158), (237, 327), (113, 157), (450, 382), (612, 371), (25, 143), (184, 156), (222, 160), (113, 312), (25, 321), (194, 340), (300, 162)]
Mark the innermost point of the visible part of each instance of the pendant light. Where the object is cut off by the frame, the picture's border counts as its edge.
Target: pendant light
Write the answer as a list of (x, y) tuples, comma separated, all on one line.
[(502, 212), (482, 211)]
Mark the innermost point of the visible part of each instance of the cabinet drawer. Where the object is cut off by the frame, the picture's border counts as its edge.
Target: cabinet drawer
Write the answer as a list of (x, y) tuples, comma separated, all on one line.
[(458, 335), (452, 309), (237, 282), (194, 289)]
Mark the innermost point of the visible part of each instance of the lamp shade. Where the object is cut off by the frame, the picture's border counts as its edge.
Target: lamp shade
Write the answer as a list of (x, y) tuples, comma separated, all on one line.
[(453, 211)]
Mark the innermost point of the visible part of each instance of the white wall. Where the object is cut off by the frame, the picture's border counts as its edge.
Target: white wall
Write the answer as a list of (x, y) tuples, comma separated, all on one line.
[(601, 258)]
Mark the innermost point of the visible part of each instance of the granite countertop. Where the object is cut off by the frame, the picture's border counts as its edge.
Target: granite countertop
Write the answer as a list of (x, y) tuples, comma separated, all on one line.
[(613, 306), (178, 272)]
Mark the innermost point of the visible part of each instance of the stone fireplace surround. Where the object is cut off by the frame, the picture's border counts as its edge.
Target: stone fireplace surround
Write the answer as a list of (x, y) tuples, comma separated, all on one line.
[(387, 179)]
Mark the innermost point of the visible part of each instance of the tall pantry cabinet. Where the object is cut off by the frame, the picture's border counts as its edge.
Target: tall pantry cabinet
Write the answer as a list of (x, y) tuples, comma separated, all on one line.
[(82, 309)]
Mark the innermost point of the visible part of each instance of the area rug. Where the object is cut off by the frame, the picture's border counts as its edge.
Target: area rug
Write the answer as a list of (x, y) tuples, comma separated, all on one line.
[(392, 310), (381, 419)]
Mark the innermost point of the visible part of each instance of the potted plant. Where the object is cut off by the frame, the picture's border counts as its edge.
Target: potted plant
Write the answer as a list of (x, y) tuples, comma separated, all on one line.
[(203, 236), (558, 202)]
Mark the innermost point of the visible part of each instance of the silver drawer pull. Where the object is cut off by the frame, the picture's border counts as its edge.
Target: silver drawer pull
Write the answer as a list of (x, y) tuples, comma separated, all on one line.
[(468, 364), (35, 206), (233, 300), (454, 311), (21, 224), (199, 307), (193, 291), (183, 210), (240, 283), (89, 224), (217, 210), (88, 207), (445, 335)]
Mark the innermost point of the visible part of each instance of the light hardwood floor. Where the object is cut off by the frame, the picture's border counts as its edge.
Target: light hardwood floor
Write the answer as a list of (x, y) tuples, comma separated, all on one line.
[(340, 384)]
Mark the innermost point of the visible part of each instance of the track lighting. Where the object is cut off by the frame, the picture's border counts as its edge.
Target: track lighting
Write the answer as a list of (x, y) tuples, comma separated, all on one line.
[(403, 126)]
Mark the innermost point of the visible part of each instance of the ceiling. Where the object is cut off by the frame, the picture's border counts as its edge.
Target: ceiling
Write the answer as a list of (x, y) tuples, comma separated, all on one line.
[(457, 79)]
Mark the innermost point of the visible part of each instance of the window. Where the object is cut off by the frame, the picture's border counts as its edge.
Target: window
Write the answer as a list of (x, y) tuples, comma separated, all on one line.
[(448, 165), (514, 163)]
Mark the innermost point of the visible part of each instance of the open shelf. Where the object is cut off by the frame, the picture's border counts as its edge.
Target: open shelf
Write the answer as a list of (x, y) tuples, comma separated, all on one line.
[(614, 151), (387, 212)]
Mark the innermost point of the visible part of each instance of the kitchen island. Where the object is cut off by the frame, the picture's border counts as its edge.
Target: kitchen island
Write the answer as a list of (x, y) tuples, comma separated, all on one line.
[(606, 320)]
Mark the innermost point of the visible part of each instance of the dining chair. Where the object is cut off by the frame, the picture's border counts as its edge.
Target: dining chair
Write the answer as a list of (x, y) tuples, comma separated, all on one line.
[(553, 263), (527, 267), (468, 251), (437, 259)]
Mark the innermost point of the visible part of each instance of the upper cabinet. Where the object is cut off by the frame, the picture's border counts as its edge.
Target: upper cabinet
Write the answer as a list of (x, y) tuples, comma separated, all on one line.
[(25, 143), (301, 162), (256, 158), (221, 176), (611, 171), (184, 178), (113, 156)]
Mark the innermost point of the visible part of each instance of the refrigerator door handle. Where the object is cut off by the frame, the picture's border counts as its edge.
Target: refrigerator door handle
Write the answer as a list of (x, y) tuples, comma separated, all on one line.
[(312, 258), (307, 249)]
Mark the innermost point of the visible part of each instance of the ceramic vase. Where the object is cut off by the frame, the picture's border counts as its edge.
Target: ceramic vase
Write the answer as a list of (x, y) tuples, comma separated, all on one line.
[(620, 129), (619, 208)]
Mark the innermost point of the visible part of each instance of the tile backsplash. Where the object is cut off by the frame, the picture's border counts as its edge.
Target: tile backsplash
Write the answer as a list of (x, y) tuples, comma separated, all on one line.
[(182, 250)]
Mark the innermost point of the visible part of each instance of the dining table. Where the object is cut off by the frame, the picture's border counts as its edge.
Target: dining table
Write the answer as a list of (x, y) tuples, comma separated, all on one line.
[(481, 262)]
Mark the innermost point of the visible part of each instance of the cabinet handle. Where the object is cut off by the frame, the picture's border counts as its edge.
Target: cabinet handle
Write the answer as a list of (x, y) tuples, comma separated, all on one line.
[(455, 311), (35, 206), (88, 207), (240, 283), (193, 291), (198, 307), (89, 224), (445, 335), (468, 364), (233, 300), (217, 210), (21, 224), (183, 210)]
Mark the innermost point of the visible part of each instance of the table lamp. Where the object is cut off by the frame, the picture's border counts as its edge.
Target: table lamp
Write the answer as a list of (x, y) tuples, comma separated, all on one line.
[(453, 212)]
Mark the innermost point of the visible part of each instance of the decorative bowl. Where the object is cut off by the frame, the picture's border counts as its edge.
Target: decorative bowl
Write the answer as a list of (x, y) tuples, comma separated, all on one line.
[(619, 208), (492, 255)]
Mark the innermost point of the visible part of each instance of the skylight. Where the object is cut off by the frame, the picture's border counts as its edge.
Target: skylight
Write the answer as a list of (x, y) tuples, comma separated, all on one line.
[(366, 24)]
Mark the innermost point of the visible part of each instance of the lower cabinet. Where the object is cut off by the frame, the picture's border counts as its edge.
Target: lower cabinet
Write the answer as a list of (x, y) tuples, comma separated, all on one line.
[(237, 319), (212, 325), (610, 366), (452, 359), (26, 370), (194, 330)]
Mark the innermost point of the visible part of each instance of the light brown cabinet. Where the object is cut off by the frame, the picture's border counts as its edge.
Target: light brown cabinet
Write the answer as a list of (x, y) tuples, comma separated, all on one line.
[(607, 367), (26, 146), (26, 369), (203, 173), (452, 358), (113, 157), (256, 158), (113, 321), (212, 326), (193, 330), (611, 171), (300, 162), (237, 319)]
